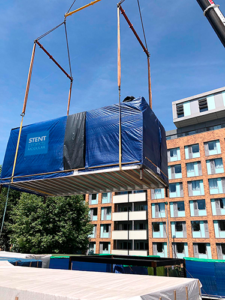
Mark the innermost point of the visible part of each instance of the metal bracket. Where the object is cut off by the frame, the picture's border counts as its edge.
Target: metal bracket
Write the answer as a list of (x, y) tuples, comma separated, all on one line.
[(210, 6)]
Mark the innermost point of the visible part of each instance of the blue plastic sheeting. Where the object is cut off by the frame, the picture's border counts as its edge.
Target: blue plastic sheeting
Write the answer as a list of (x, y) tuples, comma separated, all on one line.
[(143, 137), (22, 262), (91, 267), (210, 274), (102, 134), (143, 143), (154, 144), (40, 150), (59, 263), (130, 270)]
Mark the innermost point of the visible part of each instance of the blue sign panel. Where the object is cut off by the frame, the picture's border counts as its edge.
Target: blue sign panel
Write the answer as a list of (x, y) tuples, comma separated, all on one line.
[(37, 143)]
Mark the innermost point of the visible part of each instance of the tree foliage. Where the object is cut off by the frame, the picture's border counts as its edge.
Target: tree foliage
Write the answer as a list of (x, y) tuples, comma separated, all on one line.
[(12, 202), (57, 225)]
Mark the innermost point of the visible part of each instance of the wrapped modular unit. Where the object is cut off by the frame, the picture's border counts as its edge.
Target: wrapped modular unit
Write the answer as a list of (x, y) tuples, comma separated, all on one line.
[(80, 153)]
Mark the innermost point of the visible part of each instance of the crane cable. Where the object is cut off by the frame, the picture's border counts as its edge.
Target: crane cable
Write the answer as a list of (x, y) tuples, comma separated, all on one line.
[(142, 23), (71, 6), (24, 107), (28, 84), (148, 57)]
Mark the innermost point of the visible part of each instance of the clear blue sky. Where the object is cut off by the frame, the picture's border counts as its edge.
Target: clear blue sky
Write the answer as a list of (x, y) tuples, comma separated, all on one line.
[(187, 58)]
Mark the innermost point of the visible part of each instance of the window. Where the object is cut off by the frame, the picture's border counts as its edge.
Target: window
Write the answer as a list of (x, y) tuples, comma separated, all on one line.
[(179, 226), (202, 249), (140, 207), (196, 185), (173, 153), (218, 163), (158, 192), (195, 148), (213, 184), (94, 197), (155, 227), (105, 228), (191, 132), (221, 203), (180, 206), (180, 248), (160, 247), (201, 204), (159, 206), (190, 167), (221, 225), (120, 193), (125, 226), (180, 110), (173, 188), (223, 248), (177, 169), (203, 105), (142, 246), (105, 246), (195, 226), (141, 191), (212, 145), (141, 226)]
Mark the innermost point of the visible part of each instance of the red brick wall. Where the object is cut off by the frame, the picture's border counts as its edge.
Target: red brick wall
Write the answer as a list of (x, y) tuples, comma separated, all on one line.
[(181, 143)]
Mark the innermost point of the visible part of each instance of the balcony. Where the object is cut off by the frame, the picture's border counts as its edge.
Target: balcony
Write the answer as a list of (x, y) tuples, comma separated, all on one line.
[(120, 216), (120, 234), (138, 234), (137, 197), (138, 252), (138, 215), (133, 216), (133, 235), (120, 199), (119, 252)]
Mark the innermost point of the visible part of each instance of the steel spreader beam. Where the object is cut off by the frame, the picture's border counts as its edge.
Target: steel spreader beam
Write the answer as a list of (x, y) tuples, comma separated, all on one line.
[(81, 8)]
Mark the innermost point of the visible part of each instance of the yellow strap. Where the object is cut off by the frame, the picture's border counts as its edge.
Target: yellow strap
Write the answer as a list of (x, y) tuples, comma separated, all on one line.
[(83, 7), (119, 87), (17, 149)]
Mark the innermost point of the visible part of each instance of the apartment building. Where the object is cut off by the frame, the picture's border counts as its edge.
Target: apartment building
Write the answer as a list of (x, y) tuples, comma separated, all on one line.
[(190, 219)]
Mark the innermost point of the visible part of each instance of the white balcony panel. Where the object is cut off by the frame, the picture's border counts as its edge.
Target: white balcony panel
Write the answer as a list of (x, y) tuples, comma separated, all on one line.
[(138, 234), (139, 197), (138, 252), (120, 199), (119, 252), (120, 216), (138, 215), (120, 235)]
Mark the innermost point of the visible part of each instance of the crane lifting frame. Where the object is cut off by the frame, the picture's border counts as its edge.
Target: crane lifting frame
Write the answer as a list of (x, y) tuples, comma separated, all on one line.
[(143, 47), (109, 179), (123, 178)]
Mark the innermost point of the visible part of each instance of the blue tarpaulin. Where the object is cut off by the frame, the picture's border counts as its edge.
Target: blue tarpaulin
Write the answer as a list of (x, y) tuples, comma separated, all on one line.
[(22, 262), (59, 263), (211, 275), (40, 150), (42, 145)]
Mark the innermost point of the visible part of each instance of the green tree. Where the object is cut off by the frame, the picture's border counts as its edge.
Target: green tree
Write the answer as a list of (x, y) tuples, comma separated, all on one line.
[(12, 202), (13, 198), (57, 225)]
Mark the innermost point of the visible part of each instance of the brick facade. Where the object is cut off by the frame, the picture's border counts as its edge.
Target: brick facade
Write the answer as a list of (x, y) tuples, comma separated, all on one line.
[(181, 142)]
